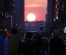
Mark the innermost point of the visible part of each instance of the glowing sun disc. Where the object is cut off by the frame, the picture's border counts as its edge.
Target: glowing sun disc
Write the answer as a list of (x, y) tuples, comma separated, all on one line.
[(31, 17)]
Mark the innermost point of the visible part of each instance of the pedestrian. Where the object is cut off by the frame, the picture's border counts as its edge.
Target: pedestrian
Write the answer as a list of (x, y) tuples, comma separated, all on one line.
[(6, 41), (1, 43), (56, 45), (14, 42), (28, 50), (40, 50)]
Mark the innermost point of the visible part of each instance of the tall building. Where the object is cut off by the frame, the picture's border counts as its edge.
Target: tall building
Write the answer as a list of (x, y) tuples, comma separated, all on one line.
[(18, 17), (62, 13), (56, 15), (50, 13), (1, 10), (53, 10), (8, 9), (13, 13)]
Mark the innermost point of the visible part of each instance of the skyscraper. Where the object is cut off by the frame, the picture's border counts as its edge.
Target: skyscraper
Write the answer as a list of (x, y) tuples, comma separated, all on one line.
[(50, 13), (62, 12), (12, 10), (18, 16)]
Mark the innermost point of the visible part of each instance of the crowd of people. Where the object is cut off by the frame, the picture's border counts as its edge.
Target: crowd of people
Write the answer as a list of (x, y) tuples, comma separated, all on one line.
[(10, 44), (51, 46)]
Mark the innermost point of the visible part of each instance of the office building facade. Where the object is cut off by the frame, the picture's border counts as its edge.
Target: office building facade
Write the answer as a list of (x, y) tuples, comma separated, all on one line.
[(50, 13), (13, 14), (18, 16)]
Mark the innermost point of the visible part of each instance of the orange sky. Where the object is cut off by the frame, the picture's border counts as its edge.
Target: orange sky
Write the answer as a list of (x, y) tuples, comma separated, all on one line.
[(37, 7)]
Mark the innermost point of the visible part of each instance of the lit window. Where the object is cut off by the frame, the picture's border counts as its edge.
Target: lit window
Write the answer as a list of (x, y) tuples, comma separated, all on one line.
[(19, 27), (13, 11), (56, 17), (16, 24), (56, 0), (13, 5), (52, 34), (53, 19)]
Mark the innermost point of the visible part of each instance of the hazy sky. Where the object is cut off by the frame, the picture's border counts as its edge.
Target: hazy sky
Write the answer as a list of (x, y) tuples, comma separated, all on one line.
[(37, 7)]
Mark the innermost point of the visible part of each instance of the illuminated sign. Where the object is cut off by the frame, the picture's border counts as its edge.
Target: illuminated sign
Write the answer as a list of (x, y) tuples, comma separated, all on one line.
[(56, 7), (56, 0)]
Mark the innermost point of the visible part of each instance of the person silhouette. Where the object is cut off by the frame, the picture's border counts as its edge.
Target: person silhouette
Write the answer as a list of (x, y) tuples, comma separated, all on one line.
[(14, 42), (1, 43), (56, 45), (6, 42)]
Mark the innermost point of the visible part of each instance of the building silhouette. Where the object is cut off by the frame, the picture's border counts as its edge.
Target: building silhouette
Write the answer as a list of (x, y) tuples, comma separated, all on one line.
[(18, 17), (12, 12), (56, 15), (62, 13), (35, 26), (50, 13)]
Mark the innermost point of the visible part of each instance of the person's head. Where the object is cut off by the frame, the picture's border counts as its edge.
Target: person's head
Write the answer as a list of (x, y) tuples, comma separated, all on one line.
[(0, 33), (13, 31), (7, 34), (56, 34), (28, 35), (38, 37)]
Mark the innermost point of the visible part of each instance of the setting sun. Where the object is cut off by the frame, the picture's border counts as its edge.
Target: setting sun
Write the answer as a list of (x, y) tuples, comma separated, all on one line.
[(31, 17)]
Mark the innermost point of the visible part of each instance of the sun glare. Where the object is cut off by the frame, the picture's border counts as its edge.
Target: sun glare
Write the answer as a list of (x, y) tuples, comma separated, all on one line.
[(31, 17)]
